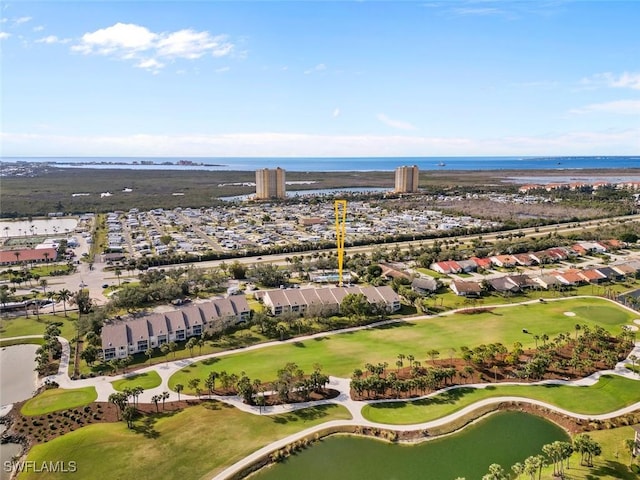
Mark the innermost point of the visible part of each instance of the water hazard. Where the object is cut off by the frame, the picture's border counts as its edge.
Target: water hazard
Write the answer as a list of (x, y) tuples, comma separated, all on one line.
[(504, 438)]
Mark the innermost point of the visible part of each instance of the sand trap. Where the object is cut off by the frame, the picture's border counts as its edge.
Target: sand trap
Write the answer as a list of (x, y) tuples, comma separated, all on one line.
[(637, 321), (633, 328), (570, 314)]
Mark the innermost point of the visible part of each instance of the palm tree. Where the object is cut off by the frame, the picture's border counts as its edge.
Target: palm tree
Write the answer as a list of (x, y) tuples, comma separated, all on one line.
[(149, 353), (191, 345), (129, 414), (496, 472), (165, 396), (178, 388), (52, 296), (44, 284), (164, 348), (155, 399), (64, 296), (630, 445), (118, 272), (633, 359), (173, 346)]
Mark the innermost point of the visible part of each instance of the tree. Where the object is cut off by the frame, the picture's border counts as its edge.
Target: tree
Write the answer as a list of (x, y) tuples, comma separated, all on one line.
[(210, 382), (89, 354), (156, 399), (43, 284), (164, 348), (496, 472), (178, 388), (433, 354), (149, 353), (83, 301), (118, 272), (64, 296), (173, 346), (120, 401), (165, 396), (191, 344), (355, 305), (194, 384), (238, 271), (630, 445), (129, 414)]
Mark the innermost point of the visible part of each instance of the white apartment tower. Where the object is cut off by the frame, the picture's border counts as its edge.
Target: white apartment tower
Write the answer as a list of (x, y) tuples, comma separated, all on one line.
[(270, 183), (407, 179)]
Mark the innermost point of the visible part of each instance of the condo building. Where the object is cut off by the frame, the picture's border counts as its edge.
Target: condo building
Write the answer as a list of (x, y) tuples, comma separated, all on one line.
[(270, 183), (407, 179)]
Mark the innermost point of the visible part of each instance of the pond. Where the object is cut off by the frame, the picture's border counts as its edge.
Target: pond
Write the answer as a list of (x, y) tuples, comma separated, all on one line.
[(18, 377), (504, 438), (17, 382)]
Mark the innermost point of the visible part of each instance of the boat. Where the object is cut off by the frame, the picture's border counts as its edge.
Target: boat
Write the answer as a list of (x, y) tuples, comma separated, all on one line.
[(442, 164)]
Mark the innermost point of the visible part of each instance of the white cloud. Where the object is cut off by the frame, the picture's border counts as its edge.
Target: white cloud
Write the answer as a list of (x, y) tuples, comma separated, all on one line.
[(223, 69), (21, 20), (623, 142), (608, 79), (53, 39), (321, 67), (399, 124), (138, 43), (150, 64), (336, 113), (620, 107), (39, 28), (4, 35)]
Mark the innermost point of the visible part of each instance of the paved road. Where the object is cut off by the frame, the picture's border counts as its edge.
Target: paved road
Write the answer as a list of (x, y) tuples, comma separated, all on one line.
[(104, 388)]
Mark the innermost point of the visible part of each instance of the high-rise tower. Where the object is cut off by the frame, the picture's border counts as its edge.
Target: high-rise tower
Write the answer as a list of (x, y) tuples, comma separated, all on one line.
[(407, 179), (270, 183)]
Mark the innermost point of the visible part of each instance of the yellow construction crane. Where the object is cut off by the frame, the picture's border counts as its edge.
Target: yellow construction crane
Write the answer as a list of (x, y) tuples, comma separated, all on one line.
[(340, 208)]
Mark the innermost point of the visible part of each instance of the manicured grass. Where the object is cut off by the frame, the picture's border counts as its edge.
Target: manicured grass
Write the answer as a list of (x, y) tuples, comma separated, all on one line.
[(22, 341), (20, 326), (340, 354), (59, 399), (193, 444), (613, 464), (145, 380), (609, 394)]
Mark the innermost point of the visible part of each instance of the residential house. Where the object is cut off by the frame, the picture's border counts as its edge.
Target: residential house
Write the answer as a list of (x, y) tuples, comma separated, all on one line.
[(506, 261), (446, 267), (482, 263), (547, 281), (121, 338), (467, 265), (592, 275), (466, 289), (503, 285), (326, 299), (424, 285)]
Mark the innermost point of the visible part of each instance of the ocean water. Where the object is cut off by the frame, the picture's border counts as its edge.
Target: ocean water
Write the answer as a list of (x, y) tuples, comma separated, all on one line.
[(336, 164)]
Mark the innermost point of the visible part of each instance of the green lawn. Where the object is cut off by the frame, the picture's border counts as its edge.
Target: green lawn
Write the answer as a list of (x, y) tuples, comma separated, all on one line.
[(59, 399), (340, 354), (609, 394), (145, 380), (193, 444), (20, 326)]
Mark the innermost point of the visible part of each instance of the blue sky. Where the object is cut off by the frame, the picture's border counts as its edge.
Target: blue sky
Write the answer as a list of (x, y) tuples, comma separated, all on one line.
[(320, 78)]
